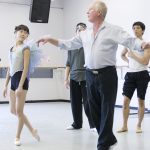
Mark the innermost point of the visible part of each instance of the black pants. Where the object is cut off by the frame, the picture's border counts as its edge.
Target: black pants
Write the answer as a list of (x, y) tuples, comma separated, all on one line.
[(102, 92), (78, 94)]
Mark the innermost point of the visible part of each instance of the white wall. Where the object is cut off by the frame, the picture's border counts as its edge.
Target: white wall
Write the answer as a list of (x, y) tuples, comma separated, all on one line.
[(74, 12), (12, 15)]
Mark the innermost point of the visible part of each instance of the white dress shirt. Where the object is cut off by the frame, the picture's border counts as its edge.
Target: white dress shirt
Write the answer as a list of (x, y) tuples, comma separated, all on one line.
[(100, 51)]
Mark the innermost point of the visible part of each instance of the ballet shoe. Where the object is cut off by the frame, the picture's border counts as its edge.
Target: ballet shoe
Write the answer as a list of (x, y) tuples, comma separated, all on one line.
[(17, 142), (35, 135), (122, 130), (138, 130)]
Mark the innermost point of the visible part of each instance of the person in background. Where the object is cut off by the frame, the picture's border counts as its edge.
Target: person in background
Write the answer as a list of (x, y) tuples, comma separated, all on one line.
[(100, 45), (136, 78), (18, 72), (75, 68)]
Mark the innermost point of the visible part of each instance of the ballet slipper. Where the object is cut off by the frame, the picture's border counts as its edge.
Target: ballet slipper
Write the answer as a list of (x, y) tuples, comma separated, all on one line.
[(138, 130), (17, 142), (35, 135), (122, 130)]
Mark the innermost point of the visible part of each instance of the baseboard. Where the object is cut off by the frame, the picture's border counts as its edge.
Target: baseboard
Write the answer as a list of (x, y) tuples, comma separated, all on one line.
[(68, 101), (131, 107), (40, 101), (147, 111)]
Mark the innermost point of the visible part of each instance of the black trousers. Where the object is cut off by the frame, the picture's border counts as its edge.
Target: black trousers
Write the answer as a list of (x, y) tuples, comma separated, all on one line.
[(102, 92), (78, 95)]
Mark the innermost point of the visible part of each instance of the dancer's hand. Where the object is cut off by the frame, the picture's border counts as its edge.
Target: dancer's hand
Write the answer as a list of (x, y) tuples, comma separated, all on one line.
[(67, 84), (5, 92)]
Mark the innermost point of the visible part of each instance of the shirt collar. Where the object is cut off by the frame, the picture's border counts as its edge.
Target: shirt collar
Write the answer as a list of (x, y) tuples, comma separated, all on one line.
[(104, 24)]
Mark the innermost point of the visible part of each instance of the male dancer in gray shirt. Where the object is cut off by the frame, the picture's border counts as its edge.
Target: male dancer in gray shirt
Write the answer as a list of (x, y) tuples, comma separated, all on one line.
[(75, 68)]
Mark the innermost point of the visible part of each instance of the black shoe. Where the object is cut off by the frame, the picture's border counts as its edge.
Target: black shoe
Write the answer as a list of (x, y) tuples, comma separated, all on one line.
[(104, 147)]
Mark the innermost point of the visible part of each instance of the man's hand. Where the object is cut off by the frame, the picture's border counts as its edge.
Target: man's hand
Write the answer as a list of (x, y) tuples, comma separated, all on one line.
[(67, 84), (130, 54), (145, 45), (44, 39)]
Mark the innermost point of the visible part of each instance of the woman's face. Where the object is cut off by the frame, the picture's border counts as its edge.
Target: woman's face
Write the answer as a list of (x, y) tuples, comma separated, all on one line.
[(21, 35)]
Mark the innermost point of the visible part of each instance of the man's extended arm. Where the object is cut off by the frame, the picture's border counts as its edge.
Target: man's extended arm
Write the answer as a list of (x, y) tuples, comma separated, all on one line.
[(48, 39), (71, 44)]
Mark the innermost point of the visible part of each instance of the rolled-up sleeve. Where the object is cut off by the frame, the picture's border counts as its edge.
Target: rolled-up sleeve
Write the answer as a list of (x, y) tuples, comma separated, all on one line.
[(71, 44)]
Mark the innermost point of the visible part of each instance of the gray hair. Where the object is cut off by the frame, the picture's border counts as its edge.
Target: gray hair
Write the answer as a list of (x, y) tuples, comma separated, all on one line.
[(101, 7)]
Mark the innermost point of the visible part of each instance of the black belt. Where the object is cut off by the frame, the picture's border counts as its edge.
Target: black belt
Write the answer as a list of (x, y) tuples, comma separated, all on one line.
[(101, 70)]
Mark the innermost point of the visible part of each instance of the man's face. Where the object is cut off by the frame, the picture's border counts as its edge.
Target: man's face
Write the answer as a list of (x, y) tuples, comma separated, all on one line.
[(92, 14), (80, 28), (137, 31)]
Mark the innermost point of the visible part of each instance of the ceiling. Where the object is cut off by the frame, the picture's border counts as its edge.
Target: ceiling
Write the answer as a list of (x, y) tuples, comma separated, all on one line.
[(27, 2), (54, 3)]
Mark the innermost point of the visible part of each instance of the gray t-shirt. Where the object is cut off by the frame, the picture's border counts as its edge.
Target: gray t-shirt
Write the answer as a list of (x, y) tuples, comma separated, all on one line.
[(76, 63)]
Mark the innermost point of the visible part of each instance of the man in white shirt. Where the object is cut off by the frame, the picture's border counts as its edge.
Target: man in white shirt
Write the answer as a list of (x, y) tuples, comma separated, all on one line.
[(137, 77), (100, 45)]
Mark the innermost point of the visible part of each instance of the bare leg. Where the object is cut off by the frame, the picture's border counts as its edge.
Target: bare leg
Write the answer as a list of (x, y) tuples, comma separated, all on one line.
[(32, 130), (13, 110), (20, 100), (16, 106), (27, 123), (12, 102), (140, 115), (126, 111)]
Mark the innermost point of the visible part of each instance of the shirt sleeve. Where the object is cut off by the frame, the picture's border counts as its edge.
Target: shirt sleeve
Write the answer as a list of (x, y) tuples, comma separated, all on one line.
[(25, 47), (71, 44), (125, 39)]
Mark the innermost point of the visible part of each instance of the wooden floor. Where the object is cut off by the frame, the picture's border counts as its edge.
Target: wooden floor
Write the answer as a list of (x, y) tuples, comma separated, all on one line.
[(51, 120)]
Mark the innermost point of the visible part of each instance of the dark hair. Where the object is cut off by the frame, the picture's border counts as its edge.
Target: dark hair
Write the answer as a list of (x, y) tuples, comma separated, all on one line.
[(138, 23), (21, 27), (81, 24)]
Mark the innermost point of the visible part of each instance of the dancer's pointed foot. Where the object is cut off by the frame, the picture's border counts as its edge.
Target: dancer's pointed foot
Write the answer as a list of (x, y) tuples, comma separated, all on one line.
[(35, 134)]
